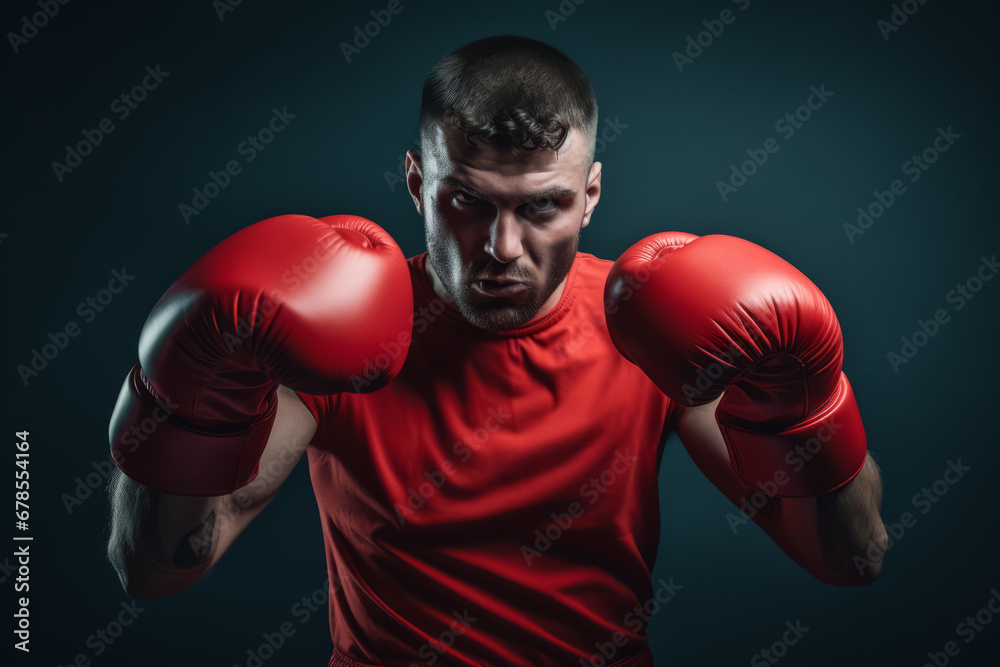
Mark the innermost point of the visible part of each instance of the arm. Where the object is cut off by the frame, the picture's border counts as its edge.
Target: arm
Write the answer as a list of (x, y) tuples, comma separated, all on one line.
[(754, 351), (162, 543), (837, 537), (206, 428)]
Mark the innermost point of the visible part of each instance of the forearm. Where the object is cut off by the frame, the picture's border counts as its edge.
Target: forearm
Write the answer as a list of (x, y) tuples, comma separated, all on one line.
[(837, 537), (160, 544), (852, 535)]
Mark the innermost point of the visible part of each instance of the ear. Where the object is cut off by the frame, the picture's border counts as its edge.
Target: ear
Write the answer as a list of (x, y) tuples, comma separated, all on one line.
[(593, 192), (414, 178)]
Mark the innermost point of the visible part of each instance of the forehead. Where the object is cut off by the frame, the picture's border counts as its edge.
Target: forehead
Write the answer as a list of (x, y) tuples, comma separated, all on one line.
[(450, 155)]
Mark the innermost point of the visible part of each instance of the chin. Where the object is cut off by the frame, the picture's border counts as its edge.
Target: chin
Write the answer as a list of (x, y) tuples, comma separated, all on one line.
[(497, 325), (500, 318), (487, 314)]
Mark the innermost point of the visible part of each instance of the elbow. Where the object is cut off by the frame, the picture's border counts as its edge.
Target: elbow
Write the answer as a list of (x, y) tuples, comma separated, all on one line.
[(860, 565), (117, 555), (133, 585), (144, 579), (122, 559), (866, 561), (140, 588)]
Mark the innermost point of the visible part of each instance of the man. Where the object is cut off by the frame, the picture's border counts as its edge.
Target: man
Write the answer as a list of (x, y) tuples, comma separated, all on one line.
[(493, 499)]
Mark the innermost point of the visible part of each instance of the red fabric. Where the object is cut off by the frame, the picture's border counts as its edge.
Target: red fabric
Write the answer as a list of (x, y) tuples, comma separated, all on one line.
[(431, 491)]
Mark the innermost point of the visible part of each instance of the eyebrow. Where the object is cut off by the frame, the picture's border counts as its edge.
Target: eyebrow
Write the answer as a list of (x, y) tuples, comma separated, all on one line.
[(548, 193)]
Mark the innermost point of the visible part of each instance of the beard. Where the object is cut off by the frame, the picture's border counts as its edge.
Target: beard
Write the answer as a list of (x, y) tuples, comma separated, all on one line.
[(497, 314)]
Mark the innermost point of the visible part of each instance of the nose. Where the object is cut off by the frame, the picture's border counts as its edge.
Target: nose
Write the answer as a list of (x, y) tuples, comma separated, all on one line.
[(504, 243)]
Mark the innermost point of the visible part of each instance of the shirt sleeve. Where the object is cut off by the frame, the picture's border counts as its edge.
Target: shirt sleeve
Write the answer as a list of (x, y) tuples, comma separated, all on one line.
[(322, 408), (673, 412)]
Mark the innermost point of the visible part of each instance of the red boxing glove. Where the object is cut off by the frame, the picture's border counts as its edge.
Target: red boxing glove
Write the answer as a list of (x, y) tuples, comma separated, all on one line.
[(706, 315), (321, 306)]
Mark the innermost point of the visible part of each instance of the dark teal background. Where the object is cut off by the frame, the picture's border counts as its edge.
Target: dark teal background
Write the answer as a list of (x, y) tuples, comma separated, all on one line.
[(684, 130)]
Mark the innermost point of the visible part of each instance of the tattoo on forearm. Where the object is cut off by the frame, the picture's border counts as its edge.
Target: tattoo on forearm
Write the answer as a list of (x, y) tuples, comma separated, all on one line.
[(196, 547)]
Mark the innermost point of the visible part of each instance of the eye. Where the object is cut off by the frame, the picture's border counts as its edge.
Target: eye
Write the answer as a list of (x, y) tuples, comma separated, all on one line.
[(540, 207), (464, 198)]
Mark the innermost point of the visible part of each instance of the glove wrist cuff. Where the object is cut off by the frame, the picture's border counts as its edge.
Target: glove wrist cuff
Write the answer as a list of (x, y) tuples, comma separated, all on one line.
[(150, 444), (816, 456)]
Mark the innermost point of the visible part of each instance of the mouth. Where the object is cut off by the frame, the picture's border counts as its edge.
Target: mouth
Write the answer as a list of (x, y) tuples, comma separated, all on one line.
[(499, 288)]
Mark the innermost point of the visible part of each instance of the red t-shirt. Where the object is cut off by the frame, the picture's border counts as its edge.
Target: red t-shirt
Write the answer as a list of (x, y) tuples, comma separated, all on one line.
[(496, 503)]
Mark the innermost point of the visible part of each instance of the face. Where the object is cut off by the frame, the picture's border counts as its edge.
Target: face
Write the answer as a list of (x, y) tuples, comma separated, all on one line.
[(502, 228)]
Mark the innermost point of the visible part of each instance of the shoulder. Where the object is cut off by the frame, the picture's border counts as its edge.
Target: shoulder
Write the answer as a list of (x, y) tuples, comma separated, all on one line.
[(592, 269), (592, 263), (590, 275)]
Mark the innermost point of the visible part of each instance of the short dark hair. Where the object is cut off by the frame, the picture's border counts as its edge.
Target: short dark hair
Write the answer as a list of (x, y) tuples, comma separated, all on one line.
[(510, 92)]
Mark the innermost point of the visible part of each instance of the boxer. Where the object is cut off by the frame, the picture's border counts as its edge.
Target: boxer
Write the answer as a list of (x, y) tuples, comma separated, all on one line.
[(484, 421)]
